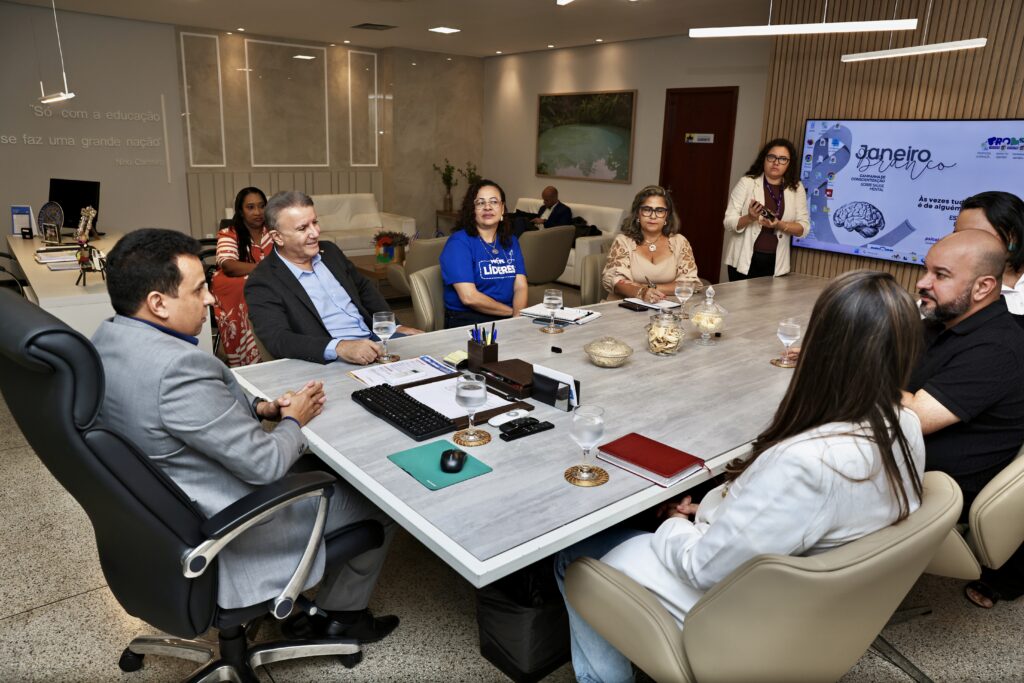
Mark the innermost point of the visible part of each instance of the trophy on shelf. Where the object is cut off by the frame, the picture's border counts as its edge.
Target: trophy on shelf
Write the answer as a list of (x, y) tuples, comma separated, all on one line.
[(90, 259)]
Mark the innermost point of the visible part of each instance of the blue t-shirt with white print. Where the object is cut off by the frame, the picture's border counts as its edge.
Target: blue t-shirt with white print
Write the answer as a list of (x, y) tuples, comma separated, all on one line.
[(470, 259)]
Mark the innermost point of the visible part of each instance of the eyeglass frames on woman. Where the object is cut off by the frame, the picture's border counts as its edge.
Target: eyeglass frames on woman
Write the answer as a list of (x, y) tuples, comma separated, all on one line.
[(772, 159), (482, 203), (658, 211)]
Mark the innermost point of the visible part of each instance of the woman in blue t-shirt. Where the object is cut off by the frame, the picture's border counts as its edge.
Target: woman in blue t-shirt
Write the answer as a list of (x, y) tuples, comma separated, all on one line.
[(481, 265)]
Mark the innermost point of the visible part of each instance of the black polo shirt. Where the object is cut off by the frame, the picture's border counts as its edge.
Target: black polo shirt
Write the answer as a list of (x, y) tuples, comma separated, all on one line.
[(975, 370)]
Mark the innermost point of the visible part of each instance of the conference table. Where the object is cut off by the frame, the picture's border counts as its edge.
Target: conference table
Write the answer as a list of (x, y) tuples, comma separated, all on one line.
[(710, 401)]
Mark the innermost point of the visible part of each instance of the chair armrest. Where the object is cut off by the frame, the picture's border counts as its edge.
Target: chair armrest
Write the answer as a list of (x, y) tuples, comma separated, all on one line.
[(284, 491), (954, 559), (397, 278), (397, 223), (585, 246), (251, 510), (629, 617)]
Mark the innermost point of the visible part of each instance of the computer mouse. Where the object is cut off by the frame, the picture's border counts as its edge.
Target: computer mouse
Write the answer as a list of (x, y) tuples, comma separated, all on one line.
[(452, 460)]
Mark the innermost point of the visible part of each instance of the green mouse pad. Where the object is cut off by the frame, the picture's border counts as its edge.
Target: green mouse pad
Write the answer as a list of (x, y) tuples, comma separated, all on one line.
[(424, 464)]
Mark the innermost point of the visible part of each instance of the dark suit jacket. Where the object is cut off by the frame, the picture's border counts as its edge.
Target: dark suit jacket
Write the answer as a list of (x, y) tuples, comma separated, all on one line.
[(282, 314), (560, 215)]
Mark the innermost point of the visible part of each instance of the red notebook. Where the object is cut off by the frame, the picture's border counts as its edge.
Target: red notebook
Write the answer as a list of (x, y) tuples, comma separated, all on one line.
[(650, 459)]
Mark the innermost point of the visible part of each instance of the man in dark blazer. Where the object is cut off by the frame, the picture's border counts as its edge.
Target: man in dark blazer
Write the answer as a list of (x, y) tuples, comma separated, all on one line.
[(552, 212), (306, 300)]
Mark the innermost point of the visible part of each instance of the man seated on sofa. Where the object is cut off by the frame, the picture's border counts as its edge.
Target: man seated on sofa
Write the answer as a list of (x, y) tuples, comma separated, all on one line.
[(556, 212), (307, 300)]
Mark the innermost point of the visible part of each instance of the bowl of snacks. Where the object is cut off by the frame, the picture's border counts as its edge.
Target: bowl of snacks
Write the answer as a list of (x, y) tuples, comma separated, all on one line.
[(608, 352)]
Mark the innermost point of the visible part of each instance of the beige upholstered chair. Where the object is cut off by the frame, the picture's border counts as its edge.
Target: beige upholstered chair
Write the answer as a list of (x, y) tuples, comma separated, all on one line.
[(427, 290), (591, 289), (544, 254), (776, 618), (419, 254)]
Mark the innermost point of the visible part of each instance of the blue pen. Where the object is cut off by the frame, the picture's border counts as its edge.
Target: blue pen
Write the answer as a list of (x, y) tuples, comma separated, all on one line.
[(494, 337)]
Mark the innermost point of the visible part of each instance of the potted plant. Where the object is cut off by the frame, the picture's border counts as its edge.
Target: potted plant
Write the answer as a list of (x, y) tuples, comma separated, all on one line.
[(390, 246), (448, 179), (470, 173)]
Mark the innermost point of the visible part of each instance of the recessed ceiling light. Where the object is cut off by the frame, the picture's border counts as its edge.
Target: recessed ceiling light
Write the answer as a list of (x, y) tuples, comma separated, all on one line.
[(240, 29), (346, 41), (230, 33), (414, 63), (303, 57), (243, 69), (550, 45), (599, 40), (333, 45), (444, 29), (497, 52), (563, 2), (449, 59)]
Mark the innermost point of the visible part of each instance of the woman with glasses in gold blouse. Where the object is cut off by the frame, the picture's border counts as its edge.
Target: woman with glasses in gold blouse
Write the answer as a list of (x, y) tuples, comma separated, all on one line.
[(649, 256), (767, 207)]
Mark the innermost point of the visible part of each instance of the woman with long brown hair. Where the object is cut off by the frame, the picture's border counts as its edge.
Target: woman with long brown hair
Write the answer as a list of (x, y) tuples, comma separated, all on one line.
[(840, 460)]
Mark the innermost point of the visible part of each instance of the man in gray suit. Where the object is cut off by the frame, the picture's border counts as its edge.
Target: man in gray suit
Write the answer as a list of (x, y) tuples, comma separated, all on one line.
[(183, 408)]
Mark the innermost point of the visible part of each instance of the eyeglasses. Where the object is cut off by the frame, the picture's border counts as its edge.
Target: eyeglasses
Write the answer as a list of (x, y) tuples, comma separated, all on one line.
[(658, 211), (772, 159), (492, 202)]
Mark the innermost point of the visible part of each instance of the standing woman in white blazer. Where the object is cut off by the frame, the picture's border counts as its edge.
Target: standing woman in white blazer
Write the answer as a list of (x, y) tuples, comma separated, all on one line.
[(767, 206)]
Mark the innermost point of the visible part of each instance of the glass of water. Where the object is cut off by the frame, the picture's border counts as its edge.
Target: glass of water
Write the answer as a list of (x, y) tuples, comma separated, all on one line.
[(384, 326), (789, 333), (684, 290), (587, 430), (471, 394), (552, 302)]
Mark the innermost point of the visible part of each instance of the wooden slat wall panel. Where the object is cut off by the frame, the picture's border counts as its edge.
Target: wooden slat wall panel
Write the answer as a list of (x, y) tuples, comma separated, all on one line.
[(807, 80), (210, 192)]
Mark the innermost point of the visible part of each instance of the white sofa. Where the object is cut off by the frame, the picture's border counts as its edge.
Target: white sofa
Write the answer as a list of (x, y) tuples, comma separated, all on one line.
[(606, 218), (350, 221)]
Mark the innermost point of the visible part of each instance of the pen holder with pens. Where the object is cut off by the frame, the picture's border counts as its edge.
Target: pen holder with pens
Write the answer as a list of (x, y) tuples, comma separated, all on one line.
[(479, 354)]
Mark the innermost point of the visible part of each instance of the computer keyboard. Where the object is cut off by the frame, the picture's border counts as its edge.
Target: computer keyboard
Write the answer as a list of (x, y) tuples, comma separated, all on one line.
[(411, 417)]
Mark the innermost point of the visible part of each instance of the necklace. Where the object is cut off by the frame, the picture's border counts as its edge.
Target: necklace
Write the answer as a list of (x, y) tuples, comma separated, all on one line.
[(493, 246), (652, 246)]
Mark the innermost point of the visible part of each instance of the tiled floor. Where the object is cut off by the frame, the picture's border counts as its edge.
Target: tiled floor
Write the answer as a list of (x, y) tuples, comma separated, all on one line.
[(58, 621)]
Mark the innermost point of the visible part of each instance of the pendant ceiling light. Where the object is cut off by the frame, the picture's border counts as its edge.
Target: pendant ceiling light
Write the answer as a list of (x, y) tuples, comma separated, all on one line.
[(823, 26), (890, 52), (64, 94)]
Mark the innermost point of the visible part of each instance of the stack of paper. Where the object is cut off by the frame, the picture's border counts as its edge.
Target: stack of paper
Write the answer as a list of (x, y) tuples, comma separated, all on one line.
[(662, 305), (576, 316)]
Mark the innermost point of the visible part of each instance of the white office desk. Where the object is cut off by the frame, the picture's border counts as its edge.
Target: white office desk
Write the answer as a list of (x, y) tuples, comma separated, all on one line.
[(82, 308), (710, 401)]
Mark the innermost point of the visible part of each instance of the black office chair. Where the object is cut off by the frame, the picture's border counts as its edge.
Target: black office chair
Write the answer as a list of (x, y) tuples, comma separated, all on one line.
[(157, 550), (7, 277)]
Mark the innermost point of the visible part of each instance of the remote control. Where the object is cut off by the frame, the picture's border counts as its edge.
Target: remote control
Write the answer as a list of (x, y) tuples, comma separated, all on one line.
[(499, 420), (517, 423), (526, 431)]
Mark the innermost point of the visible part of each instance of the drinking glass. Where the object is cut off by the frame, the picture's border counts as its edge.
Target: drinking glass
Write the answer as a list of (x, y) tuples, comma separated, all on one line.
[(471, 394), (552, 302), (789, 334), (384, 326), (587, 430), (684, 290)]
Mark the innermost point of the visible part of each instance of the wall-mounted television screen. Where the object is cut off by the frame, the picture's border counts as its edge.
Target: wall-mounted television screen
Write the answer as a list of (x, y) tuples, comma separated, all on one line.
[(890, 189)]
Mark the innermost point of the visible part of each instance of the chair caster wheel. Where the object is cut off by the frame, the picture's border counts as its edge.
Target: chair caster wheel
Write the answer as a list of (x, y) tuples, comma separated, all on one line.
[(130, 661), (349, 661)]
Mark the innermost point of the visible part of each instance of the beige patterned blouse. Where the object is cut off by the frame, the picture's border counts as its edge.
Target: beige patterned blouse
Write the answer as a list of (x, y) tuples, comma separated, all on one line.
[(626, 262)]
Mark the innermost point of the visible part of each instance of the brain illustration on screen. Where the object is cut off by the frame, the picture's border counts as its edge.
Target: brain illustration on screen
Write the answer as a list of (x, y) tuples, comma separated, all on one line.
[(859, 216)]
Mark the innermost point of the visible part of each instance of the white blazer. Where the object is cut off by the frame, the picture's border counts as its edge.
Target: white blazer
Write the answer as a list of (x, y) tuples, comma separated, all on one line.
[(740, 249), (803, 496)]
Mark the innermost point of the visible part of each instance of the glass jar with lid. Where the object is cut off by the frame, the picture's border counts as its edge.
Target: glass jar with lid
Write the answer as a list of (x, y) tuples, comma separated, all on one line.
[(664, 334), (708, 317)]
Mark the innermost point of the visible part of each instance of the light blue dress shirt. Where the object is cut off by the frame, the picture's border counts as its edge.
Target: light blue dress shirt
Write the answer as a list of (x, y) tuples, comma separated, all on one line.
[(337, 311)]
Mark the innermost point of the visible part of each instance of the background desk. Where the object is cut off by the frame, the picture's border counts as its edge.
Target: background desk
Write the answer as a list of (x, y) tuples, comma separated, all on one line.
[(710, 401), (82, 308)]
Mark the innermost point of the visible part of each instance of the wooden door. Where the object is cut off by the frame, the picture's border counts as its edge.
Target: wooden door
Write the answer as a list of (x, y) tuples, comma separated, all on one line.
[(696, 159)]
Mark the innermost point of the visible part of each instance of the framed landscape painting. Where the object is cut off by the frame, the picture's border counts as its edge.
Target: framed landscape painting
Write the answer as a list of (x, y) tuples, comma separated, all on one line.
[(586, 136)]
